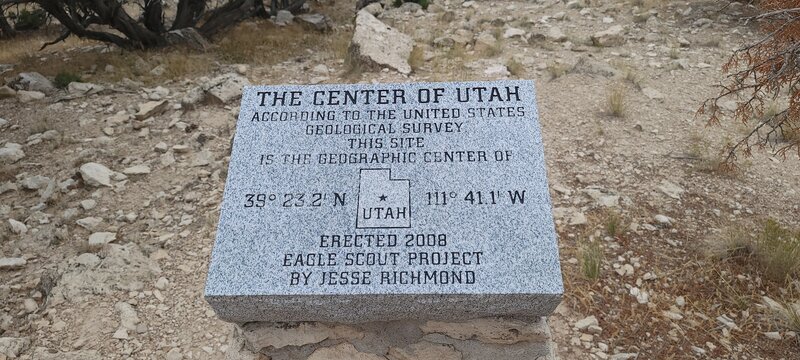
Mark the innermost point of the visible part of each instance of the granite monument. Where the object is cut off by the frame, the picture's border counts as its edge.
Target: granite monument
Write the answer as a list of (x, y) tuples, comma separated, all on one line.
[(377, 202)]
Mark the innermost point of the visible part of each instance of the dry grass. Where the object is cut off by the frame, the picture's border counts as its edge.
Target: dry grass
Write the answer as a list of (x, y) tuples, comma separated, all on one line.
[(591, 259), (557, 70), (710, 42), (631, 76), (674, 53), (515, 68), (773, 250), (257, 42), (417, 58), (615, 104), (27, 44), (613, 224)]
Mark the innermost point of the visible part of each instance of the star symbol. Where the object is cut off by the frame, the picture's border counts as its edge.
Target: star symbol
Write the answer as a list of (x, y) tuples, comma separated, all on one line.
[(382, 197)]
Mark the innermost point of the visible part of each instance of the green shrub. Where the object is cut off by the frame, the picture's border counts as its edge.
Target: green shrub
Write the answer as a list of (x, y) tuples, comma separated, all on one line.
[(63, 79), (30, 20)]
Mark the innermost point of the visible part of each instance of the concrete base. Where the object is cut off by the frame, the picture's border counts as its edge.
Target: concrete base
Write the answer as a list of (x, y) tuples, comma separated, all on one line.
[(478, 339)]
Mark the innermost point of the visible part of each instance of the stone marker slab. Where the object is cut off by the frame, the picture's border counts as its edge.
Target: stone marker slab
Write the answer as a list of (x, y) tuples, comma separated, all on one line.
[(357, 203)]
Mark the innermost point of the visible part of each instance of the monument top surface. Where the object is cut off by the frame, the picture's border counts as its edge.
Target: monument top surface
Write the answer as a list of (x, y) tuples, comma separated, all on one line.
[(389, 196)]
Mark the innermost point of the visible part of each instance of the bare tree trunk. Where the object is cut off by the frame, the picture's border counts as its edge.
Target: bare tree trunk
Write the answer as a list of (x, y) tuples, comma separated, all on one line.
[(5, 28), (154, 16), (189, 12), (227, 15), (136, 36), (77, 17)]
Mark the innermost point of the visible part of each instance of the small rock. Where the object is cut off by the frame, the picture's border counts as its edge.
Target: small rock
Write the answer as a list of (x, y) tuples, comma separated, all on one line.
[(174, 354), (161, 147), (17, 227), (35, 182), (728, 322), (29, 96), (652, 94), (283, 17), (624, 356), (374, 8), (497, 70), (151, 108), (158, 70), (83, 89), (88, 204), (89, 223), (671, 189), (513, 32), (663, 220), (192, 97), (30, 305), (609, 37), (137, 170), (12, 263), (128, 319), (101, 238), (317, 22), (226, 88), (95, 174), (586, 322), (672, 315), (11, 153), (773, 335), (121, 334), (555, 34), (162, 283)]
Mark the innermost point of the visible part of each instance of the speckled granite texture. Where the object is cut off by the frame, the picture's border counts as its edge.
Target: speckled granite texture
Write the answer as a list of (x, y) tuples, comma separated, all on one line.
[(388, 216)]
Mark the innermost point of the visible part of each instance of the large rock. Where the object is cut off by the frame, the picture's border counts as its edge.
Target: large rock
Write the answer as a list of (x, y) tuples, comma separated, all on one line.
[(95, 174), (33, 81), (226, 88), (376, 45)]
